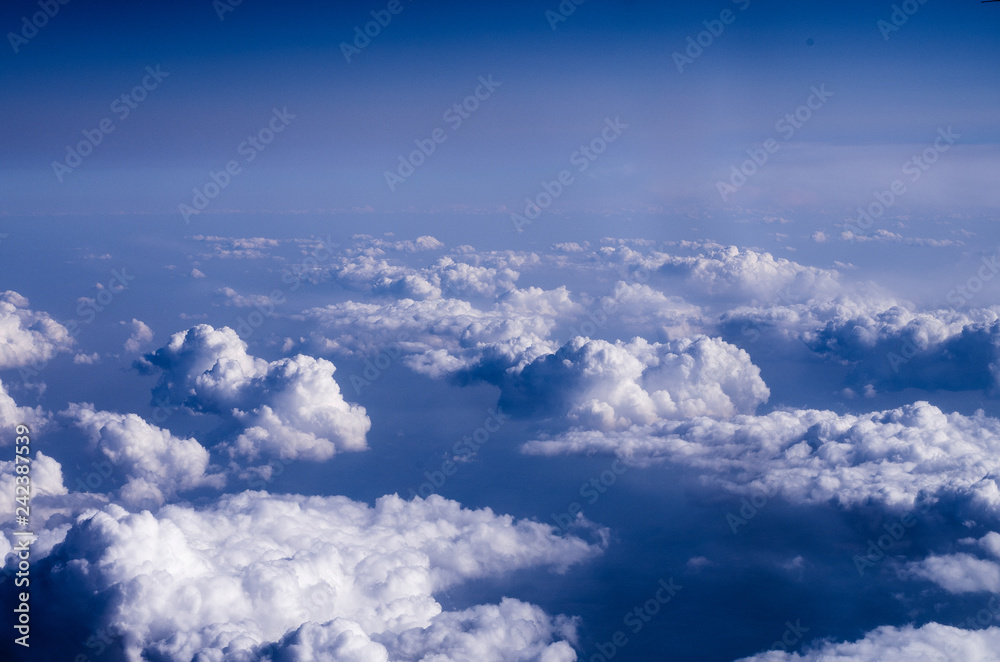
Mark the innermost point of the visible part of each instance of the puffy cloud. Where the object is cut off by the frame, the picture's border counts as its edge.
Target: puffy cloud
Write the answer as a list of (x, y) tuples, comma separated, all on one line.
[(158, 465), (640, 306), (12, 415), (887, 342), (463, 279), (958, 573), (303, 578), (140, 335), (894, 457), (290, 408), (444, 336), (905, 644), (28, 337), (421, 243), (729, 271), (49, 505), (512, 630), (963, 572), (599, 385)]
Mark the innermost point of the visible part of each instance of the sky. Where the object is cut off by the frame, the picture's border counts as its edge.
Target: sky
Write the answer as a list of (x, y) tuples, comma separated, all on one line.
[(509, 331)]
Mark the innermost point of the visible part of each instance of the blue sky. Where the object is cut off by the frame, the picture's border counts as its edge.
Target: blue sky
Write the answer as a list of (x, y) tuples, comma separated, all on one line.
[(735, 303), (606, 60)]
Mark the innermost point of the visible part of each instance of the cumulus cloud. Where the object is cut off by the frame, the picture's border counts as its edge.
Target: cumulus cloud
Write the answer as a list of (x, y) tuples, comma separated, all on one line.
[(291, 577), (607, 386), (28, 337), (894, 457), (445, 336), (732, 272), (12, 415), (139, 335), (963, 572), (49, 506), (157, 464), (639, 306), (289, 409), (905, 644)]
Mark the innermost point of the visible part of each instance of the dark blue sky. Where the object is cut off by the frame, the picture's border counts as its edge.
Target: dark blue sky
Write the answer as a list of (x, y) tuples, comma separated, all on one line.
[(608, 59)]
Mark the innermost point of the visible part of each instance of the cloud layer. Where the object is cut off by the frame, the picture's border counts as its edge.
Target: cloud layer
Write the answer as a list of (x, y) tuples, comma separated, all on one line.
[(290, 577)]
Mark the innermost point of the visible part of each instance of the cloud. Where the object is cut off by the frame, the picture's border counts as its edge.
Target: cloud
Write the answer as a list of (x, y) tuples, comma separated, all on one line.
[(639, 306), (140, 335), (158, 465), (238, 247), (442, 337), (288, 409), (732, 272), (962, 572), (47, 501), (905, 644), (12, 415), (958, 573), (28, 337), (292, 577), (606, 386), (895, 457)]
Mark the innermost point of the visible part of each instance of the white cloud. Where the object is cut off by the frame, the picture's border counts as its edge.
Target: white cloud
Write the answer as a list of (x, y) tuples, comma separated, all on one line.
[(932, 642), (640, 306), (892, 457), (606, 386), (158, 464), (731, 271), (443, 336), (958, 573), (139, 336), (289, 409), (28, 337), (316, 578), (12, 415)]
